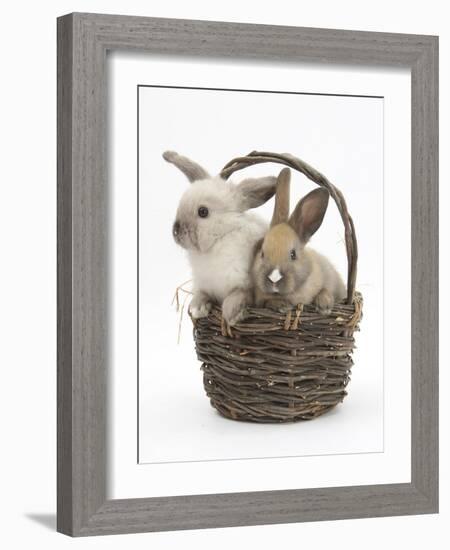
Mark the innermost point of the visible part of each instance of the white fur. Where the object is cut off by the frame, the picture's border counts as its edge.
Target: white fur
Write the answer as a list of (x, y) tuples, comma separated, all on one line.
[(219, 246), (225, 266), (275, 276)]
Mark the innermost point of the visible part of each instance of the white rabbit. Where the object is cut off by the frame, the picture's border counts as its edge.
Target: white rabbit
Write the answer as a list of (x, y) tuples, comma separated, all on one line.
[(219, 235)]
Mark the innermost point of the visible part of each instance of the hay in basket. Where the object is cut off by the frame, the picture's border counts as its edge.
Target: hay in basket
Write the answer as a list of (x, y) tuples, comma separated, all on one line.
[(276, 367)]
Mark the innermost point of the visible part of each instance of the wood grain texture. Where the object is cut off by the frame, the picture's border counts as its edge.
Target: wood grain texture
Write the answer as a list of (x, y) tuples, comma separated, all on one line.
[(425, 272), (83, 40), (82, 275), (64, 298)]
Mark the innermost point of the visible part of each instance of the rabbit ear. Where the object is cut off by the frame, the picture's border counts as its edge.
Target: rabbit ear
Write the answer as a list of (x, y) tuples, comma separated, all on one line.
[(190, 169), (281, 209), (308, 214), (253, 192)]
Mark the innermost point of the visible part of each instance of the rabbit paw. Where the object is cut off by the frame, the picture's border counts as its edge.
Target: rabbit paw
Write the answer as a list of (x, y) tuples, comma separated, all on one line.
[(324, 302), (234, 307), (200, 306), (278, 304)]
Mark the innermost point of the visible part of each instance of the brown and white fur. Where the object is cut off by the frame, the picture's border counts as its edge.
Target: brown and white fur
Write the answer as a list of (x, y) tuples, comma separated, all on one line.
[(285, 272)]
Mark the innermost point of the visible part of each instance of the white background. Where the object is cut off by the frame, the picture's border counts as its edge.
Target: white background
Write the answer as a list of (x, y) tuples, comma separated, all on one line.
[(29, 266), (349, 441), (341, 135)]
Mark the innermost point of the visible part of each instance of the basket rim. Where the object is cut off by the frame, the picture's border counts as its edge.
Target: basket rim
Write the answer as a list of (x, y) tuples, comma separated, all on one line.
[(343, 315), (351, 244)]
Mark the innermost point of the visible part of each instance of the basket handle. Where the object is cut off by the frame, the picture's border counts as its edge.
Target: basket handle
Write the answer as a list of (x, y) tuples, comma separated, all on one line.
[(258, 157)]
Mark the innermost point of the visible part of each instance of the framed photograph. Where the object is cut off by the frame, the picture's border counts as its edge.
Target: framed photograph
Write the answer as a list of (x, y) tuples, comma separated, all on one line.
[(247, 274)]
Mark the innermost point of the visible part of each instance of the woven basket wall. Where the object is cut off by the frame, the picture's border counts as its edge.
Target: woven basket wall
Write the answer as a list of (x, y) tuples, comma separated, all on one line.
[(276, 367)]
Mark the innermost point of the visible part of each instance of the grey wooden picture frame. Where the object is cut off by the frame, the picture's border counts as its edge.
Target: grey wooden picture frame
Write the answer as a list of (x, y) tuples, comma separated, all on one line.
[(83, 41)]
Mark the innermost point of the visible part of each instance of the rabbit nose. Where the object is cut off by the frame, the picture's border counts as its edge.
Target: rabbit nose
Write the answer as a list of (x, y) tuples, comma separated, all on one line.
[(176, 229), (275, 276)]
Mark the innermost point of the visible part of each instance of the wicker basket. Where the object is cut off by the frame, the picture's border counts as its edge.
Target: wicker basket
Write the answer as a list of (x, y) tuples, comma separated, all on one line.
[(277, 367)]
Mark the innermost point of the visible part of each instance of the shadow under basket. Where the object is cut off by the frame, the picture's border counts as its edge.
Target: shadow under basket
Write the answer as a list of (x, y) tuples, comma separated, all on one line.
[(276, 367)]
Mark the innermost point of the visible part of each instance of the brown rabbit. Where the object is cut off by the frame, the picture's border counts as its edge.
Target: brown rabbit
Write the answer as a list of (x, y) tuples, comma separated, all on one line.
[(285, 272)]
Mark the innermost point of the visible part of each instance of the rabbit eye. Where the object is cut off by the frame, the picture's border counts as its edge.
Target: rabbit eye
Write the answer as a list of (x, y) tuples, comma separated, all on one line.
[(293, 255), (203, 212)]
